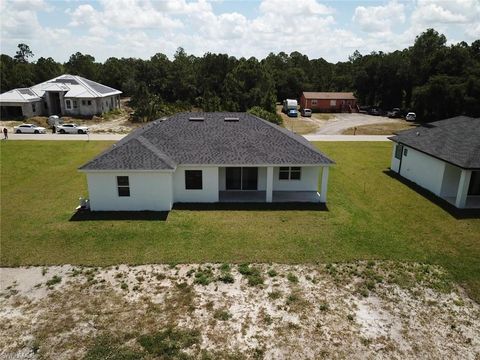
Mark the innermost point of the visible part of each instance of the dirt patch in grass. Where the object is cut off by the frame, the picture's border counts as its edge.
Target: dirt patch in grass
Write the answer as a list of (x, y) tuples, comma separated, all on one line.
[(352, 310), (379, 129)]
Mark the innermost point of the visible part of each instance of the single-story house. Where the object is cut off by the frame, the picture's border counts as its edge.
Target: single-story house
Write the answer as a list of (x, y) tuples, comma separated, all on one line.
[(69, 95), (206, 158), (442, 157), (328, 101)]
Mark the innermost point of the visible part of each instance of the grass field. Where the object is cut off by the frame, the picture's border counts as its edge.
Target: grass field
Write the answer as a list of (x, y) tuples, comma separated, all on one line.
[(370, 216), (379, 129)]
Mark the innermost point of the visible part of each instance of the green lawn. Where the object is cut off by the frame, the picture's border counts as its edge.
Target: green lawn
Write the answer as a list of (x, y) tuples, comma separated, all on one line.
[(371, 216)]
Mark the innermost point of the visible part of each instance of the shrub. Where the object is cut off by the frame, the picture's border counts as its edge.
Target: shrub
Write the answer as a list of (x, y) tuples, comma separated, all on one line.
[(266, 115), (169, 343), (124, 286), (292, 278), (274, 295), (203, 277), (252, 274), (222, 315), (226, 278), (54, 280), (272, 273)]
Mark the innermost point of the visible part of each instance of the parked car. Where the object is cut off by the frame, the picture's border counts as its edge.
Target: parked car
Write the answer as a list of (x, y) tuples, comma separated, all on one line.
[(306, 112), (29, 129), (292, 113), (411, 116), (374, 111), (71, 129), (395, 113)]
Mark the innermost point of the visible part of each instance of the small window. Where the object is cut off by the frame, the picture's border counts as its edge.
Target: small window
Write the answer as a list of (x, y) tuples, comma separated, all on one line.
[(84, 103), (68, 104), (123, 185), (89, 102), (398, 151), (33, 108), (75, 104), (333, 102), (193, 179), (405, 152), (290, 173), (314, 102)]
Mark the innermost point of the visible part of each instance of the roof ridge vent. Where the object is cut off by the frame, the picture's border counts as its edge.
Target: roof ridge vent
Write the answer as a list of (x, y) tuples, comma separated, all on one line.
[(196, 118), (231, 119)]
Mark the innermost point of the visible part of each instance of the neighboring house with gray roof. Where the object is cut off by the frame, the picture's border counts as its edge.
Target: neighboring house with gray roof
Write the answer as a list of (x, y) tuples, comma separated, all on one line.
[(442, 157), (69, 95), (206, 157)]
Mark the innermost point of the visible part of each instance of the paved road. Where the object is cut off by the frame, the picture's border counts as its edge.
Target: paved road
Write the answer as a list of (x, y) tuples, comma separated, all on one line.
[(109, 137), (344, 121)]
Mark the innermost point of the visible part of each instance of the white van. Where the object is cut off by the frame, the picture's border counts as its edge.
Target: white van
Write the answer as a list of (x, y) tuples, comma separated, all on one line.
[(306, 112)]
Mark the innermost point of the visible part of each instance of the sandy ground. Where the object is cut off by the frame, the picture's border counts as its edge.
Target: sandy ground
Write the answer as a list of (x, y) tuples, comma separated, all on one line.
[(341, 122), (379, 310)]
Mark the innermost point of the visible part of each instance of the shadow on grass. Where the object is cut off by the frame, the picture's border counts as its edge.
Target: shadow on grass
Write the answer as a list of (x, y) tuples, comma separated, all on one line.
[(251, 206), (444, 204), (87, 215)]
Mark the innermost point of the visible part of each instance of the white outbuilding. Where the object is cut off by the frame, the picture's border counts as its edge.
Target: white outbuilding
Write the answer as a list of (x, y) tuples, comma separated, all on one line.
[(206, 158), (442, 157)]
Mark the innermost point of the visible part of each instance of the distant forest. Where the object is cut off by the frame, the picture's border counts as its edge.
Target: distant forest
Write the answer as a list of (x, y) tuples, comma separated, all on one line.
[(434, 80)]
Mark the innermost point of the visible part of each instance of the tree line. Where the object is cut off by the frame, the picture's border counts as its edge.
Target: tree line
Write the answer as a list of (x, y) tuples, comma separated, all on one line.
[(432, 78)]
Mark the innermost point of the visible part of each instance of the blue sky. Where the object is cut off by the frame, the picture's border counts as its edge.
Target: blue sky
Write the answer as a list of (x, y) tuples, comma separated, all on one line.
[(140, 28)]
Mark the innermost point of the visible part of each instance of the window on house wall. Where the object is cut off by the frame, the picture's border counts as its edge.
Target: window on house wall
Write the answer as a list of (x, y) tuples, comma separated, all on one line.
[(405, 152), (84, 103), (123, 186), (89, 102), (193, 179), (68, 104), (34, 108), (75, 104), (314, 102), (290, 173), (398, 151), (333, 102)]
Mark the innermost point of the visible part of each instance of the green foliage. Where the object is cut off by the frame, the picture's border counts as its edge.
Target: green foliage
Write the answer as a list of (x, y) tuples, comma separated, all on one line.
[(107, 347), (292, 278), (203, 276), (170, 343), (54, 280), (251, 273), (272, 273), (266, 115), (222, 315)]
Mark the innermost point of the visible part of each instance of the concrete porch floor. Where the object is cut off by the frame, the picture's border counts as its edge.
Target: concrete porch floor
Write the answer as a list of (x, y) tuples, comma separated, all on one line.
[(277, 196), (473, 201)]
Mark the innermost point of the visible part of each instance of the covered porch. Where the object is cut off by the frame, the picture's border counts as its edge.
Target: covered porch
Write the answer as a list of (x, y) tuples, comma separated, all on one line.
[(273, 184), (461, 187)]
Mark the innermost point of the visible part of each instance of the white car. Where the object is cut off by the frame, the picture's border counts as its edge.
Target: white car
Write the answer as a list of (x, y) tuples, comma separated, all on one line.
[(29, 129), (411, 116), (71, 129)]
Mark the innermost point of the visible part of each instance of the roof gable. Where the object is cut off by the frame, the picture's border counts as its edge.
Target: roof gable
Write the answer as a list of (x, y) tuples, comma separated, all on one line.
[(455, 140)]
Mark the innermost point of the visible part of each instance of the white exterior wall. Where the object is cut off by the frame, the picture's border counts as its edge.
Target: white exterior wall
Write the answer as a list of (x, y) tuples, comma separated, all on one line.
[(395, 163), (308, 180), (209, 191), (423, 170), (451, 179), (148, 191)]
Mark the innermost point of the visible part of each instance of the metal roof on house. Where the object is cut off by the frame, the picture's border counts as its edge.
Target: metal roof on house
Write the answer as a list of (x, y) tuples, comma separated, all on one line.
[(21, 95), (455, 140), (329, 95), (207, 139)]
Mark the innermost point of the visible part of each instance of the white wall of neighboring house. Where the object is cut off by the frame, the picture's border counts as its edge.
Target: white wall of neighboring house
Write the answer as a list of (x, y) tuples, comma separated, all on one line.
[(422, 169), (209, 191), (451, 179), (308, 180), (148, 191)]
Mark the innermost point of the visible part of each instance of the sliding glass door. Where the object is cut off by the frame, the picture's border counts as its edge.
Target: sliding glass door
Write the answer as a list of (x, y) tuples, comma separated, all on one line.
[(241, 178)]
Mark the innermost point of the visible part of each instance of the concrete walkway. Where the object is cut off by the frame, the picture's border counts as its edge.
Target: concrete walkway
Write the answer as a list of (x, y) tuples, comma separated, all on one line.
[(347, 137), (116, 137), (95, 137)]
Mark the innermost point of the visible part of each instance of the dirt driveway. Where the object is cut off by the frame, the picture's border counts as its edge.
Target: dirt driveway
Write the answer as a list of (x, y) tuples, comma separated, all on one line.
[(341, 122)]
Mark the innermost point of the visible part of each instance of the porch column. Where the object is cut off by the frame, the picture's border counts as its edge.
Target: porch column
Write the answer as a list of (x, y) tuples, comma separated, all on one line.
[(269, 188), (462, 191), (323, 189)]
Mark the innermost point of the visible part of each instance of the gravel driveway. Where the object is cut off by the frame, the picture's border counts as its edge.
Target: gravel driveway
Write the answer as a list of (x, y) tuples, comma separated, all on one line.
[(344, 121)]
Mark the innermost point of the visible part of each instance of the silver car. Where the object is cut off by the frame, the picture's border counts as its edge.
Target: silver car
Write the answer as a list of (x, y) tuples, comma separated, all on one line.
[(411, 116)]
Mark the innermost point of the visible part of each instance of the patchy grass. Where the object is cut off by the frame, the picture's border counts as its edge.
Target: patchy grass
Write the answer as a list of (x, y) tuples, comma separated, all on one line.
[(370, 216), (379, 129)]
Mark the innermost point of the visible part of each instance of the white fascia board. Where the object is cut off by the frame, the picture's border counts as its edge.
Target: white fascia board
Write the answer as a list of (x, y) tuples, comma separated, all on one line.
[(126, 170), (256, 165)]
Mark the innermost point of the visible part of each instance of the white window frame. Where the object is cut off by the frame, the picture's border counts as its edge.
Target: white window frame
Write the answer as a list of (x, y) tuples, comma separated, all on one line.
[(333, 102), (314, 102), (75, 104), (68, 104)]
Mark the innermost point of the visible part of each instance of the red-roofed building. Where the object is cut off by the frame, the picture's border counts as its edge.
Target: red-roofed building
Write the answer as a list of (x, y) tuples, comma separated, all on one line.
[(328, 101)]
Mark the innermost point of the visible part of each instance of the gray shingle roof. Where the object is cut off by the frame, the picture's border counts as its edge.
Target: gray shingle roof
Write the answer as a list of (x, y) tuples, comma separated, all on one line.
[(455, 140), (214, 141)]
